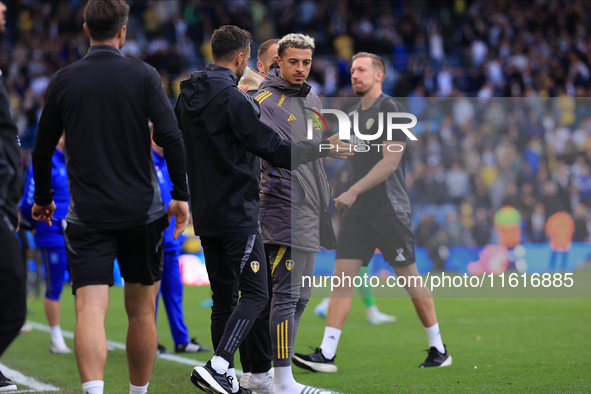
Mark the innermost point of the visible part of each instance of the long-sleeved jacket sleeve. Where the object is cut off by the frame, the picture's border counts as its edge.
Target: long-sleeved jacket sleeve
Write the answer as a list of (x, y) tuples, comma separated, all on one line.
[(168, 135), (264, 142), (48, 134), (28, 200)]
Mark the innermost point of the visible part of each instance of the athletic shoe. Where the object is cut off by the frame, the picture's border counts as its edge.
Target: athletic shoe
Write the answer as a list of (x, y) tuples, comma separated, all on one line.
[(380, 318), (436, 359), (206, 303), (25, 329), (243, 390), (191, 347), (6, 384), (207, 379), (59, 348), (245, 379), (314, 362), (162, 350), (321, 310), (261, 386)]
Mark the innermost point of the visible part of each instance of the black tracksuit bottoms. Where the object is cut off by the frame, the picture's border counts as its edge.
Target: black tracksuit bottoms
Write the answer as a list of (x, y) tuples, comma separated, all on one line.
[(13, 287), (235, 263)]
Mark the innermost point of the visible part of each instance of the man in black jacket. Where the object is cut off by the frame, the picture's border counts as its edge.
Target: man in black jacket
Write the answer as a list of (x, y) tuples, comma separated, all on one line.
[(104, 102), (13, 301), (223, 137)]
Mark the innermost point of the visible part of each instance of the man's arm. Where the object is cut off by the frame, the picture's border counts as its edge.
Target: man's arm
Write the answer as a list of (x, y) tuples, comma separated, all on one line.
[(167, 135), (378, 174), (262, 140), (48, 134)]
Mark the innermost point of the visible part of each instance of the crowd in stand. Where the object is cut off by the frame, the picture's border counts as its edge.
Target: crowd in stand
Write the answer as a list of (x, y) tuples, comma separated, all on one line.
[(475, 152)]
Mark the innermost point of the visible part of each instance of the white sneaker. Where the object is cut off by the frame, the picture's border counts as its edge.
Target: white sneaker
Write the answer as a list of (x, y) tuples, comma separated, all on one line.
[(59, 348), (25, 329), (259, 386), (380, 318), (321, 310)]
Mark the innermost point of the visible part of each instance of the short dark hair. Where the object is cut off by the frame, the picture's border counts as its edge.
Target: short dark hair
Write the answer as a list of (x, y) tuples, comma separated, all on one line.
[(227, 41), (104, 18), (265, 47), (376, 61)]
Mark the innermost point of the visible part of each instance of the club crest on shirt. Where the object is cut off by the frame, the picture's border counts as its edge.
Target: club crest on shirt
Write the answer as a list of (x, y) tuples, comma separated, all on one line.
[(255, 266), (369, 123), (289, 264)]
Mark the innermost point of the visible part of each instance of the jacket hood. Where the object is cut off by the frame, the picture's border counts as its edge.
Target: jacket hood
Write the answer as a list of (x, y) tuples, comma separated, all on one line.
[(274, 80), (204, 86), (251, 78)]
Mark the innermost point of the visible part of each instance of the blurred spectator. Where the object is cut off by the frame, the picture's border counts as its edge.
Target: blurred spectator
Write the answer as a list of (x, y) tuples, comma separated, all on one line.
[(481, 231), (425, 231), (536, 226), (581, 230), (457, 183)]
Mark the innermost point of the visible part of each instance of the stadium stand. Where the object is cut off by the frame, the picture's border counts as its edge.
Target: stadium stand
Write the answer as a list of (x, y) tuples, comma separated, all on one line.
[(473, 161)]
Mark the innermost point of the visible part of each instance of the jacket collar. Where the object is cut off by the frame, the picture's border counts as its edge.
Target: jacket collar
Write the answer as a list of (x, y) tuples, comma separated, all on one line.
[(97, 50), (223, 72)]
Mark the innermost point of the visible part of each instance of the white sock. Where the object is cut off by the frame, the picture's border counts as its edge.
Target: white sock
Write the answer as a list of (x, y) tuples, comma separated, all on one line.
[(284, 383), (138, 389), (245, 376), (259, 376), (235, 386), (330, 342), (434, 337), (372, 310), (219, 364), (93, 387), (56, 335)]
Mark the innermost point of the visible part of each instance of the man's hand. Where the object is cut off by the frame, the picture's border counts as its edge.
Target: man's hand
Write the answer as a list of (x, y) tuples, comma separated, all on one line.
[(339, 149), (345, 200), (179, 209), (244, 88), (43, 214)]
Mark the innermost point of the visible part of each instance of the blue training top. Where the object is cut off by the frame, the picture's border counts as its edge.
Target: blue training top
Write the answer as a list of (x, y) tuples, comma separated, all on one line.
[(46, 236), (170, 245)]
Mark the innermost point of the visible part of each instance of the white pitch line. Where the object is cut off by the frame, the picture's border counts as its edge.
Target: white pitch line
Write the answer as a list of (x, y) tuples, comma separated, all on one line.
[(118, 345), (19, 378)]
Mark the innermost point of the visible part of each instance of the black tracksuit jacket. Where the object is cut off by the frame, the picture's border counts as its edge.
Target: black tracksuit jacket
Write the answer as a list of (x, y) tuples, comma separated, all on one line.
[(103, 102)]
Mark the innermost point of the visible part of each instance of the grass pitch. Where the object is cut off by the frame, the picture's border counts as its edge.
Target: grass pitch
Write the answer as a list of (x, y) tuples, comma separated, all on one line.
[(517, 345)]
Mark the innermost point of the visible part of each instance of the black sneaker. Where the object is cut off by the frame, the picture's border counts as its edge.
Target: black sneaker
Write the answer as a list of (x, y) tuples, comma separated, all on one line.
[(207, 379), (162, 350), (314, 362), (6, 384), (191, 347), (436, 359)]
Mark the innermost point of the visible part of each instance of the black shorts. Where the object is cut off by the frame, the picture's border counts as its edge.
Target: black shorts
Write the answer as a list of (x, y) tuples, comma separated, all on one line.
[(91, 253), (360, 235)]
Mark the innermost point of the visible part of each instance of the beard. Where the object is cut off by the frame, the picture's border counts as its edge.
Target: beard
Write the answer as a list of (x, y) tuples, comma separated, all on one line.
[(241, 69), (361, 90)]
